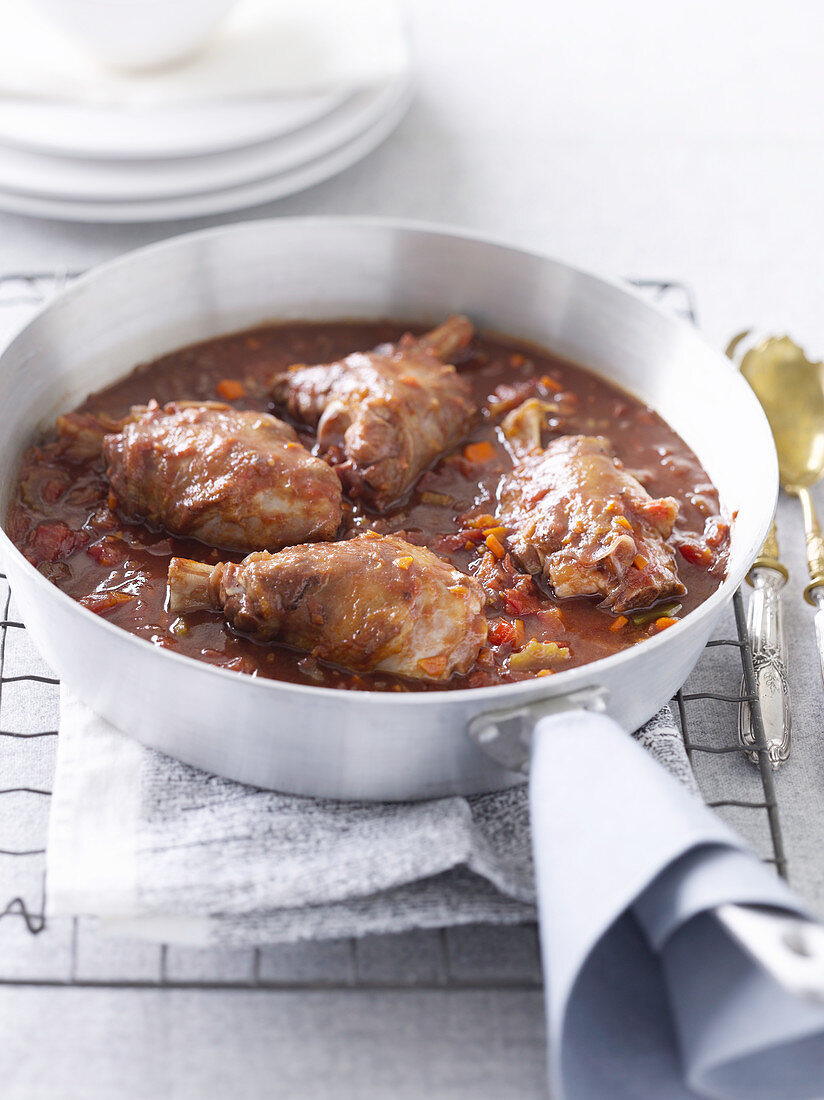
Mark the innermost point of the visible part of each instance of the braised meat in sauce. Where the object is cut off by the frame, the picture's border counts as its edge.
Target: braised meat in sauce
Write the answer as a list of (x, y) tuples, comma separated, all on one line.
[(230, 478), (383, 416), (374, 603), (583, 522), (430, 442)]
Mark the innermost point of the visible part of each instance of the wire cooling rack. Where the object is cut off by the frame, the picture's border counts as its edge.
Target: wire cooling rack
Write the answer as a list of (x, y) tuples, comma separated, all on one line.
[(70, 951)]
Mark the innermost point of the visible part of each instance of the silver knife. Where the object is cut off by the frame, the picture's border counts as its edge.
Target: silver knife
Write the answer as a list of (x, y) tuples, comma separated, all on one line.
[(765, 626), (818, 595)]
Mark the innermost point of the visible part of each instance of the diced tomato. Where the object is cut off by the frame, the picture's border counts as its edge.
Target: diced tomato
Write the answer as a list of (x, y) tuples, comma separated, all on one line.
[(507, 566), (522, 599), (447, 544), (550, 617), (53, 542), (501, 632), (715, 532), (101, 602), (696, 554), (105, 552)]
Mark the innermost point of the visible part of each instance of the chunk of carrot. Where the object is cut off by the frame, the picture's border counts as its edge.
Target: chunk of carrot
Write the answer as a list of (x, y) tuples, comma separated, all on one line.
[(433, 666), (619, 623), (482, 521), (496, 531), (493, 543), (664, 622), (479, 452), (640, 562), (230, 389)]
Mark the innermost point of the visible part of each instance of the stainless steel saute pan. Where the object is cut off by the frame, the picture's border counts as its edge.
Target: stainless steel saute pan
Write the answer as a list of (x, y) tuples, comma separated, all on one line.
[(311, 740), (358, 745)]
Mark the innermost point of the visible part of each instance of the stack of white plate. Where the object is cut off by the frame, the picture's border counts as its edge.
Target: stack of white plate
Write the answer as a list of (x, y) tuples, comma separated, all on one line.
[(107, 164)]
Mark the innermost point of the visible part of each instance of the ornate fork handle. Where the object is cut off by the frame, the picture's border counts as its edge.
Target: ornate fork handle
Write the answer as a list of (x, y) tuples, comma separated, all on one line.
[(766, 632)]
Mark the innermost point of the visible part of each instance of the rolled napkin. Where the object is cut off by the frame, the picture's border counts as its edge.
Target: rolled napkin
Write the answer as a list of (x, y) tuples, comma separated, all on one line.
[(648, 995), (262, 48)]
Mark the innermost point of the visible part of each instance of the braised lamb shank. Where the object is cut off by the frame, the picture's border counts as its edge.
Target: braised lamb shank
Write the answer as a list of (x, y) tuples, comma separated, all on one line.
[(383, 416), (368, 604), (238, 480), (583, 521)]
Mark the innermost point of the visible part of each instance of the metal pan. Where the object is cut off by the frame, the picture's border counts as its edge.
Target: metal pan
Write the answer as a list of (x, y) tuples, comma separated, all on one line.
[(359, 745), (315, 741)]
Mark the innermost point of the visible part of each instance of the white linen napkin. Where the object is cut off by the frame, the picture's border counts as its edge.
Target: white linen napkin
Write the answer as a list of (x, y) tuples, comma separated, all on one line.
[(263, 48)]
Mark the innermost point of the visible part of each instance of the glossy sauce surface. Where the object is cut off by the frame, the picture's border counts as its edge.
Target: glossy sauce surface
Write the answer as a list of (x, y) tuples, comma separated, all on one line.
[(62, 521)]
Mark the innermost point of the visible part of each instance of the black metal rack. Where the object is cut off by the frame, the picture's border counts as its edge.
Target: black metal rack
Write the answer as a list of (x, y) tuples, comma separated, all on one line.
[(22, 865)]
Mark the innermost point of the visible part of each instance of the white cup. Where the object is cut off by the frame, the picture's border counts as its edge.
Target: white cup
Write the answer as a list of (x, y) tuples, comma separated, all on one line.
[(137, 34)]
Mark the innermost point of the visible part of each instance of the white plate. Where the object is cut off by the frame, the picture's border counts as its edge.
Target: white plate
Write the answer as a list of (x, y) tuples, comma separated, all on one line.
[(108, 133), (216, 202), (44, 176)]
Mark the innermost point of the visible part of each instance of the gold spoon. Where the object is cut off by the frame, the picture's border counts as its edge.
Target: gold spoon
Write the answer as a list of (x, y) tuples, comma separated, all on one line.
[(791, 390)]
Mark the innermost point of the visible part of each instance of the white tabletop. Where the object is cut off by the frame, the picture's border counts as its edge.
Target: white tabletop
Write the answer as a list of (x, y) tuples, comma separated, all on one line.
[(679, 140)]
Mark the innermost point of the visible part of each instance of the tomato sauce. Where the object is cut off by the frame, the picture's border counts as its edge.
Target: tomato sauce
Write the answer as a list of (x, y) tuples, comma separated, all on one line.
[(62, 519)]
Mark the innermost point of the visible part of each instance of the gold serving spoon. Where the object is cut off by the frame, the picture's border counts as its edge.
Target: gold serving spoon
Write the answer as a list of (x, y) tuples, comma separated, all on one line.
[(790, 388)]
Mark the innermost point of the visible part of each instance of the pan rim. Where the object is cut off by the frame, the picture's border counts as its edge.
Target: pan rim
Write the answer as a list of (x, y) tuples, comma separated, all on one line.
[(563, 682)]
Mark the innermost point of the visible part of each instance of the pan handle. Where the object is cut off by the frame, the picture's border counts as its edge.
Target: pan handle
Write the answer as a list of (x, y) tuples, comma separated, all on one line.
[(507, 735)]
